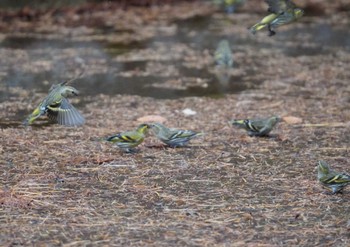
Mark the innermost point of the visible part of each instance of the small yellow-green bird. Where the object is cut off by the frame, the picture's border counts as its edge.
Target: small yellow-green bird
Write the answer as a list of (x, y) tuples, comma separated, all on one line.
[(332, 180), (257, 127), (223, 54), (128, 140), (229, 5), (57, 107), (173, 137), (282, 12)]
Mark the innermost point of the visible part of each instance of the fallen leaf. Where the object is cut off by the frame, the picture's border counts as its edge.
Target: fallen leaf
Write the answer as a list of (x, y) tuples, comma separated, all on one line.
[(152, 118), (292, 120), (189, 112)]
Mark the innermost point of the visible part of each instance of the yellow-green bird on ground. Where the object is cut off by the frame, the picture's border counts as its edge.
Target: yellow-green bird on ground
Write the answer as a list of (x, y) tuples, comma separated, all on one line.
[(173, 137), (282, 12), (128, 140), (257, 127), (332, 180), (223, 54), (56, 106)]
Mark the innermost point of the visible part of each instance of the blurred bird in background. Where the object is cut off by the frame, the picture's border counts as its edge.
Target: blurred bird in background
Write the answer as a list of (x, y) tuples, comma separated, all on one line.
[(282, 13), (224, 61), (230, 6), (223, 54)]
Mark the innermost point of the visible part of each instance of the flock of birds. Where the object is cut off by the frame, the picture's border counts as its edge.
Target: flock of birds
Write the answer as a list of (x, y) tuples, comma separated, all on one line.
[(59, 110)]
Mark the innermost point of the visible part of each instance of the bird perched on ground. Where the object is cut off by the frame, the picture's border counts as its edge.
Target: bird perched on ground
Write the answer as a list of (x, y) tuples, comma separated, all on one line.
[(223, 54), (57, 107), (129, 139), (332, 180), (282, 12), (257, 127), (173, 137)]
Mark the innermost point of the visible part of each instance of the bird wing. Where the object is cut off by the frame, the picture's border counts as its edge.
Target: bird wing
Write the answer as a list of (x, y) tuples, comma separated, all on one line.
[(129, 137), (258, 124), (125, 137), (279, 6), (335, 178), (54, 86), (54, 97), (178, 134), (71, 80), (341, 178), (65, 114)]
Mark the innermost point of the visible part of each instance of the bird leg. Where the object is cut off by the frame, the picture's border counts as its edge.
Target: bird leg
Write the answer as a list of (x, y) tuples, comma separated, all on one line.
[(271, 32)]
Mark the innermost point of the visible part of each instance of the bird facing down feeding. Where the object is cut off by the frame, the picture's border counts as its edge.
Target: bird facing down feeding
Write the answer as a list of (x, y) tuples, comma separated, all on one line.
[(282, 12), (223, 54), (173, 137), (257, 127), (57, 107), (330, 179), (129, 139)]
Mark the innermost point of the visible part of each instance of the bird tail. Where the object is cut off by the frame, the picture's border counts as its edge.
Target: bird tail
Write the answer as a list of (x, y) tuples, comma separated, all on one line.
[(257, 27), (98, 139), (34, 115), (200, 134), (237, 122), (112, 138)]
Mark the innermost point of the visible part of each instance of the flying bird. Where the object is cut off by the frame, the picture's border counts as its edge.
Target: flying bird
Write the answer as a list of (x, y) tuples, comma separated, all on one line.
[(57, 107), (282, 12)]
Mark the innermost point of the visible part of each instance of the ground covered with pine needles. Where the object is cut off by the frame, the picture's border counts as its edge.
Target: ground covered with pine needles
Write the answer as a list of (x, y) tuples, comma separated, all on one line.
[(62, 186)]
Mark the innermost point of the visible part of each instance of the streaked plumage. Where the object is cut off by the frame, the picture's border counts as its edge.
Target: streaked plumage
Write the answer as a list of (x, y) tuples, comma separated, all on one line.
[(173, 137), (257, 127), (282, 12), (57, 107), (129, 139), (332, 180), (223, 54)]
